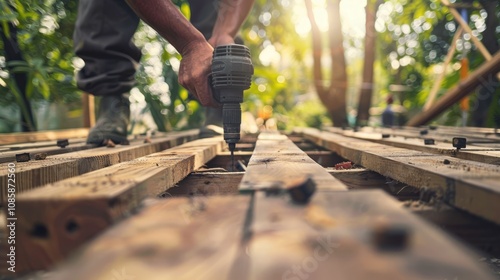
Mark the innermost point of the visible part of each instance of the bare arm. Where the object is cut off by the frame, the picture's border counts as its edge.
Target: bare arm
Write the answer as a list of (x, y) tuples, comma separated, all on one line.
[(196, 52), (231, 15)]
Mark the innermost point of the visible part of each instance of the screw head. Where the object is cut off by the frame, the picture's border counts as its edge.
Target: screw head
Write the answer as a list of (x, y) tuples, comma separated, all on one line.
[(62, 143), (459, 142), (390, 236), (429, 141)]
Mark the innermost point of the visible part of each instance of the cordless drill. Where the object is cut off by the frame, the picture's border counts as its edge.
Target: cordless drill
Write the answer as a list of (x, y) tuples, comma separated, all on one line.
[(232, 72)]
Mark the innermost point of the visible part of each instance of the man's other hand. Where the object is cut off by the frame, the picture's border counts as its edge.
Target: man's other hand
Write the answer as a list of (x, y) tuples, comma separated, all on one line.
[(219, 40)]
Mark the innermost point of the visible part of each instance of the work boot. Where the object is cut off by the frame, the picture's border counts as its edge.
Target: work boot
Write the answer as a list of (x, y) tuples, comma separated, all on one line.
[(112, 122)]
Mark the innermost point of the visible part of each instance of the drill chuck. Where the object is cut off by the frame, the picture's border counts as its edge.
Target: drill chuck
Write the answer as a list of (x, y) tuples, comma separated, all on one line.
[(232, 72)]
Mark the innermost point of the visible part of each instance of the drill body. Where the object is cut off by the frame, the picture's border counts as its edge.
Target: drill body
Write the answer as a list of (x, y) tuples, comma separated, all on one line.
[(232, 71)]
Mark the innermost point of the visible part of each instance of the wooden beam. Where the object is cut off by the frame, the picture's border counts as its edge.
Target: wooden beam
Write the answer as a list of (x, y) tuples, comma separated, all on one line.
[(176, 238), (55, 219), (464, 88), (207, 184), (481, 234), (276, 160), (10, 156), (468, 185), (472, 152), (42, 144), (50, 135), (333, 237), (32, 174), (437, 83), (364, 179), (465, 26)]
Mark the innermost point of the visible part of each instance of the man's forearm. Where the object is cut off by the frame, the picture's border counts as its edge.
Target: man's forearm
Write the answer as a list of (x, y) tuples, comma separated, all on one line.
[(168, 21), (231, 15)]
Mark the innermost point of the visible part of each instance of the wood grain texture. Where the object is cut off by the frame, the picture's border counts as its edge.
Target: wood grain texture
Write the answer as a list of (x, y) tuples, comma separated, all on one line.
[(35, 173), (331, 238), (55, 219), (479, 233), (52, 135), (468, 185), (10, 155), (207, 184), (276, 160), (176, 238), (472, 152)]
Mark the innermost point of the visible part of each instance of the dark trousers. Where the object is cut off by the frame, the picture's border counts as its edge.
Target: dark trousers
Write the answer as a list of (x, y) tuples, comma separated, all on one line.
[(103, 39)]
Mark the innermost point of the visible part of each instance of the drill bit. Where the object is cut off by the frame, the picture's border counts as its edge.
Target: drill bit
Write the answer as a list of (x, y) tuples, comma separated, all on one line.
[(232, 146)]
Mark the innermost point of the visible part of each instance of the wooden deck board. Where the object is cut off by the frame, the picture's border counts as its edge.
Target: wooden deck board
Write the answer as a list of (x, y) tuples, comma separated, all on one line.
[(472, 152), (176, 238), (330, 238), (52, 135), (276, 160), (55, 219), (35, 173), (468, 185)]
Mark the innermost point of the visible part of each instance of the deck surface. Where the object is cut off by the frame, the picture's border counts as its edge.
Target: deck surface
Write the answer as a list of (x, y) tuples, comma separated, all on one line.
[(174, 207)]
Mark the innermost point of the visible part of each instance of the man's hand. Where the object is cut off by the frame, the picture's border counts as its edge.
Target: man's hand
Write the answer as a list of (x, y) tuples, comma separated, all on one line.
[(218, 40), (195, 69)]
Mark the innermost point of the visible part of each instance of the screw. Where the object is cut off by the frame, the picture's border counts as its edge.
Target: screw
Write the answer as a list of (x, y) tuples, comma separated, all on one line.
[(41, 156), (22, 157), (62, 143), (429, 141), (301, 190), (424, 132), (390, 237), (459, 142), (386, 135)]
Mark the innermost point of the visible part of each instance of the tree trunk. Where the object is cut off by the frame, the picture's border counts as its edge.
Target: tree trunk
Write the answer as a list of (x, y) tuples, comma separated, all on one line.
[(334, 96), (366, 90)]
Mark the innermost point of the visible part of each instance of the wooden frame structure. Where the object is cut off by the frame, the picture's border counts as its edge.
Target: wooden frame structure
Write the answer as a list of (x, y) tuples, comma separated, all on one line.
[(148, 215)]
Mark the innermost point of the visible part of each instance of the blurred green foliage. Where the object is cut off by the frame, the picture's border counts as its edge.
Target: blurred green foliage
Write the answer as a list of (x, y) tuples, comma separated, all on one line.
[(44, 30), (414, 37)]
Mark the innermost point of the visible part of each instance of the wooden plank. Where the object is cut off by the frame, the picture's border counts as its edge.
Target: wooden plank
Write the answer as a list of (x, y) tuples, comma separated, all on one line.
[(223, 160), (472, 152), (359, 178), (41, 144), (363, 179), (52, 135), (10, 156), (409, 132), (207, 184), (436, 86), (468, 185), (32, 174), (57, 218), (276, 160), (332, 238), (463, 89), (480, 234), (175, 238)]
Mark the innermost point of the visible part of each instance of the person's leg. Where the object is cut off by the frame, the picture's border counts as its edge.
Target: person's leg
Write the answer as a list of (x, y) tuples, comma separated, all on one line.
[(103, 39)]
